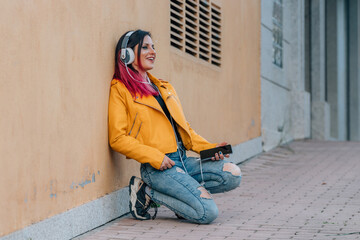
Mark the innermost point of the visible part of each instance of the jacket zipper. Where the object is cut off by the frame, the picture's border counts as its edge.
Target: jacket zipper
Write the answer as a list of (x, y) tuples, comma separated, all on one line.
[(150, 107), (133, 124), (138, 131), (163, 114)]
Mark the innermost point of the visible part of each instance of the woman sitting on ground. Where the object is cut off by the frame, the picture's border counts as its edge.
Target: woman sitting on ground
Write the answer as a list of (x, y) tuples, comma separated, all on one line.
[(146, 123)]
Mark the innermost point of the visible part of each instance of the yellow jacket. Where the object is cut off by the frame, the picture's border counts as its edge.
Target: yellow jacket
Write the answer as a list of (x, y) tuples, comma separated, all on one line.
[(139, 129)]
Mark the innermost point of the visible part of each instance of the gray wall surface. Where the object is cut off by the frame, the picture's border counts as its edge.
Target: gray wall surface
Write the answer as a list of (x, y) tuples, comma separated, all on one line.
[(285, 103), (320, 109), (320, 72)]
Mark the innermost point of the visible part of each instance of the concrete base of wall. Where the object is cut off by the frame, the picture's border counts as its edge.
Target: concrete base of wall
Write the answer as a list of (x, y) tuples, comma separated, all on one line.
[(300, 115), (246, 150), (271, 139), (91, 215), (320, 120), (77, 220)]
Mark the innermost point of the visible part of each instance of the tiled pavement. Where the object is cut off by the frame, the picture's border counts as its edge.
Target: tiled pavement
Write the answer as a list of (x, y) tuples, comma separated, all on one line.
[(306, 190)]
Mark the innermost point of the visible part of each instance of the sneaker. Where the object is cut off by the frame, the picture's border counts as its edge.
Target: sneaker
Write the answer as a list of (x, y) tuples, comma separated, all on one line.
[(140, 201), (179, 217)]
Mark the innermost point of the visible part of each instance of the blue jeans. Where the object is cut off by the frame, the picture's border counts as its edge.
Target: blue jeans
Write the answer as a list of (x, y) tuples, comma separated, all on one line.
[(182, 192)]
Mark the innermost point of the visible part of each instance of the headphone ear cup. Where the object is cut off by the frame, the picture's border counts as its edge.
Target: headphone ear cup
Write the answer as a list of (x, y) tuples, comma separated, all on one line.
[(130, 56)]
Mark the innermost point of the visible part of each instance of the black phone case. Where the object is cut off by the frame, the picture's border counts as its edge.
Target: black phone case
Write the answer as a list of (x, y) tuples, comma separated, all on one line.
[(209, 153)]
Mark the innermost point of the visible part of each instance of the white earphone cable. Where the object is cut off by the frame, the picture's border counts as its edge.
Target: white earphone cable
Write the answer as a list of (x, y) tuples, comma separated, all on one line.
[(133, 77), (177, 140)]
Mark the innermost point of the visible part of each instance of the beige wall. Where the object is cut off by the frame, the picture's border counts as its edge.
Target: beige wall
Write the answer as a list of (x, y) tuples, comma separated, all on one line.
[(224, 103), (55, 68)]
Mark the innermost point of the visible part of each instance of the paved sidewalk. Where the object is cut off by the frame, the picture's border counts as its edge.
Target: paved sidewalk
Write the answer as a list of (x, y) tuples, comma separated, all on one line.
[(308, 190)]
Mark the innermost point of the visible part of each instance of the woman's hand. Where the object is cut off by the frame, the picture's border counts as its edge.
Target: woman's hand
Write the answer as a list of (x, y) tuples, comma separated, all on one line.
[(220, 155), (166, 163)]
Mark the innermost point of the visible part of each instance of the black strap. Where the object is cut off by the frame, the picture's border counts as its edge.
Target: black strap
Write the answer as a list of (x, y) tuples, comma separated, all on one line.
[(154, 205)]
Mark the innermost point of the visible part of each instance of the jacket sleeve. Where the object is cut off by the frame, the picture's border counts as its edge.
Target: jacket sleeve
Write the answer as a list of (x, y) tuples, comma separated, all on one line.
[(118, 138), (198, 142)]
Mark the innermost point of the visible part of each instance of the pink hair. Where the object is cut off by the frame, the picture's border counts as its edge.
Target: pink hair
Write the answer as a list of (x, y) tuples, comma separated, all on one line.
[(134, 87)]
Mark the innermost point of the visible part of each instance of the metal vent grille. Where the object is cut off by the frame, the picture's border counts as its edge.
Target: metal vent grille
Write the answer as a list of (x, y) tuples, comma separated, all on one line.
[(177, 23), (215, 35), (195, 28)]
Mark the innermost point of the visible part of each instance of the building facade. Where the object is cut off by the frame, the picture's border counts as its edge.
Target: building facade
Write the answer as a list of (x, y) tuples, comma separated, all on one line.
[(256, 73), (309, 70), (285, 103)]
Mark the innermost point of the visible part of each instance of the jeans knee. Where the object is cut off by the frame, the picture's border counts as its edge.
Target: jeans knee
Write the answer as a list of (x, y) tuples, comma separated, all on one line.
[(210, 214), (232, 182), (236, 181), (232, 168), (233, 176)]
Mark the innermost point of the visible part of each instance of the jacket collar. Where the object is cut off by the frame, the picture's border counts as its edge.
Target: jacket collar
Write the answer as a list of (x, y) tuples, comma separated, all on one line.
[(170, 100), (157, 82), (151, 101)]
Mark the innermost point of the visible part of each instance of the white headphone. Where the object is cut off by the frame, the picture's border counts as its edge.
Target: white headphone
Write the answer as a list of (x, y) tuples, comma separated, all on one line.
[(127, 55)]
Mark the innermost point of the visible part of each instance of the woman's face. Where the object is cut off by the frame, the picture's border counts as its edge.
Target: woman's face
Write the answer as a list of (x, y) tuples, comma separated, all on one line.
[(147, 55)]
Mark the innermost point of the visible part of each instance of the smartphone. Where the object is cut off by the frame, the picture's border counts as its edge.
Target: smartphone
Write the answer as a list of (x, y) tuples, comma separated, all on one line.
[(209, 153)]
